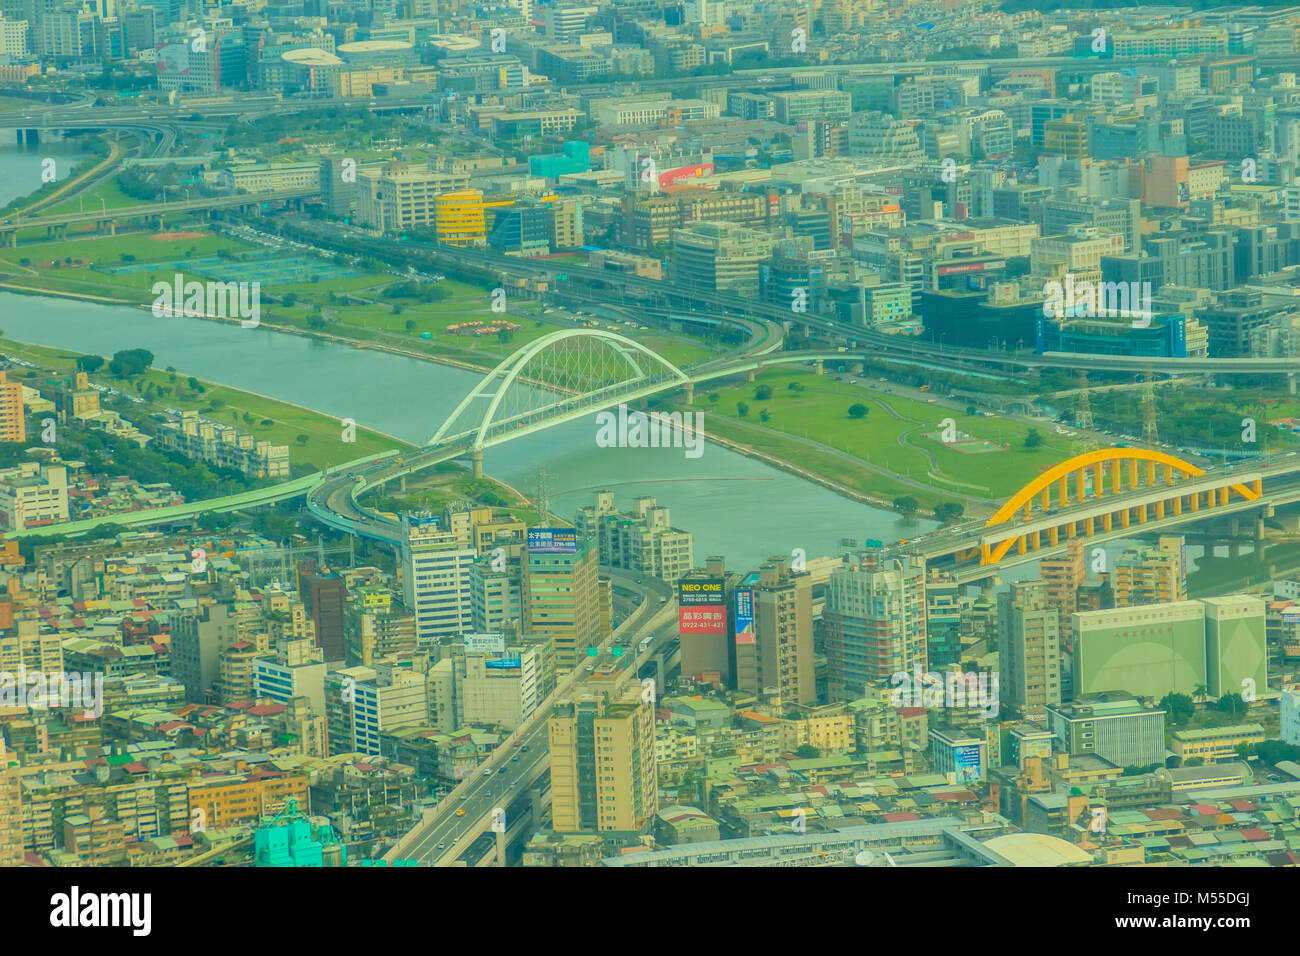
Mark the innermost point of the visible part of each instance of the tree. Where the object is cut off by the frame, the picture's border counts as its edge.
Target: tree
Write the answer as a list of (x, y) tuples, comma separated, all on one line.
[(949, 511), (807, 752), (763, 415), (742, 409), (289, 298), (410, 325), (795, 387), (858, 410), (713, 398), (130, 362), (302, 439), (1033, 439), (972, 410), (1231, 704), (907, 504), (505, 335), (1178, 707), (1200, 692), (316, 322), (763, 393), (90, 363)]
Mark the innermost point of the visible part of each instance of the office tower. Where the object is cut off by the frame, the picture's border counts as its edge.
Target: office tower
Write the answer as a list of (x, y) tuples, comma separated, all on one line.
[(498, 688), (1236, 648), (495, 601), (705, 598), (378, 626), (1029, 649), (603, 772), (197, 640), (13, 422), (720, 257), (1064, 574), (1122, 732), (1147, 575), (1290, 713), (363, 703), (459, 218), (958, 756), (436, 568), (11, 811), (561, 594), (874, 622), (338, 188), (324, 595), (783, 629), (295, 671)]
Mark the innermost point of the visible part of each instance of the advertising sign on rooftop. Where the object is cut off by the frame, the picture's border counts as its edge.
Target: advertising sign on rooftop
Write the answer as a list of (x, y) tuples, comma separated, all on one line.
[(552, 541)]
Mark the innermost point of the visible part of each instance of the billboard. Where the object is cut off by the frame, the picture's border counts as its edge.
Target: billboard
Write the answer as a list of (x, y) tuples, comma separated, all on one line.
[(692, 592), (504, 663), (702, 606), (744, 616), (173, 59), (485, 643), (966, 761), (552, 541), (697, 170)]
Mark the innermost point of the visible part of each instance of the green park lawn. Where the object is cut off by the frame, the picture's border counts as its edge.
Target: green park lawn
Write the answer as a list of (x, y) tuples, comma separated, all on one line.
[(820, 413)]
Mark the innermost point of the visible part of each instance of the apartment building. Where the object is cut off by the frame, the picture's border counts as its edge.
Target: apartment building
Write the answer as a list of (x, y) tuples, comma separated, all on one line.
[(13, 419), (223, 446), (436, 568), (32, 495)]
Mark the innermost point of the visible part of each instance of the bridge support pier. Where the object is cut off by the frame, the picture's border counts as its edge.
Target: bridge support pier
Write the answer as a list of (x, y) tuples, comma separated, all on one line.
[(477, 458), (690, 393), (819, 368), (1291, 382), (402, 484), (11, 239)]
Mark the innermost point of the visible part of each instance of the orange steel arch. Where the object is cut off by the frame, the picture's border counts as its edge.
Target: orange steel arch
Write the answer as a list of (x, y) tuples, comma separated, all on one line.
[(1024, 498)]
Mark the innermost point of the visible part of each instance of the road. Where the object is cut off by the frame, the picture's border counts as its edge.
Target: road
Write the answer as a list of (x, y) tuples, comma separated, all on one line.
[(479, 794)]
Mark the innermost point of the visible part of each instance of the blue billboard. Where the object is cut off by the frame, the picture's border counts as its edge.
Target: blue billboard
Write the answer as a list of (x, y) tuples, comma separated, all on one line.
[(967, 763), (503, 663), (744, 616), (552, 541)]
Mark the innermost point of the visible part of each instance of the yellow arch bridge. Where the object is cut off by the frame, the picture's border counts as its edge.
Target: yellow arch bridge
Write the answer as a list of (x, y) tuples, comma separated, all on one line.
[(1142, 485)]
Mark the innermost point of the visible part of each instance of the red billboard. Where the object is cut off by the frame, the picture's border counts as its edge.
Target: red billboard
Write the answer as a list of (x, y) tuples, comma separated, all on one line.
[(671, 176), (701, 606)]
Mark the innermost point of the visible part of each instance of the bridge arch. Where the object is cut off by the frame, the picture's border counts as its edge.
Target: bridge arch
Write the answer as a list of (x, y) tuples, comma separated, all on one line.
[(1035, 498), (559, 377)]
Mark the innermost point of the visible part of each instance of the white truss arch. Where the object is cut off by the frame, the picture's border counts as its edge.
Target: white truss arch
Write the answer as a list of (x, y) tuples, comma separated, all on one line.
[(561, 376)]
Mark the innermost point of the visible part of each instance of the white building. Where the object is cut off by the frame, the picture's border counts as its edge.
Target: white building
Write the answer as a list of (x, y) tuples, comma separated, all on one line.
[(32, 494), (500, 689), (436, 569), (1290, 731), (298, 671)]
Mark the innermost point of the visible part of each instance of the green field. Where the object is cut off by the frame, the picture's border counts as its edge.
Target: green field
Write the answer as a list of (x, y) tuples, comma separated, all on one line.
[(897, 442)]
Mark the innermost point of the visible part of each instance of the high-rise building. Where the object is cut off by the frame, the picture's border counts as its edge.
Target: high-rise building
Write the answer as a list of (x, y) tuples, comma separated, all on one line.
[(324, 595), (641, 540), (1146, 651), (874, 623), (436, 567), (603, 772), (719, 257), (459, 218), (561, 596), (1064, 574), (707, 639), (495, 599), (11, 811), (363, 703), (197, 640), (1236, 646), (1151, 575), (783, 630), (500, 689), (942, 621), (13, 423), (1029, 648)]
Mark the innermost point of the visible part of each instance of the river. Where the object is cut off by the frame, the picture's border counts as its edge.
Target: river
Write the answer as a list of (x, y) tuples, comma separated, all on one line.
[(21, 164), (735, 506)]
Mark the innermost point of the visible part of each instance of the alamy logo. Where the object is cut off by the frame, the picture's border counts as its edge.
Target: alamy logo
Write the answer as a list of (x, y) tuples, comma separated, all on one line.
[(134, 910), (1098, 300), (42, 691), (197, 300), (949, 689), (656, 430)]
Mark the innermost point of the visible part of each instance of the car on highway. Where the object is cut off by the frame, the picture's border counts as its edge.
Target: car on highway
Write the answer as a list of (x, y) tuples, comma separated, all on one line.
[(514, 758), (460, 812), (487, 772), (442, 846)]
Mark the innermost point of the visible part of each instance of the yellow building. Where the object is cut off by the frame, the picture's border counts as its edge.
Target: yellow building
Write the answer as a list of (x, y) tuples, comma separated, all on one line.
[(1213, 744), (13, 423), (603, 769), (11, 814), (235, 799), (459, 219)]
